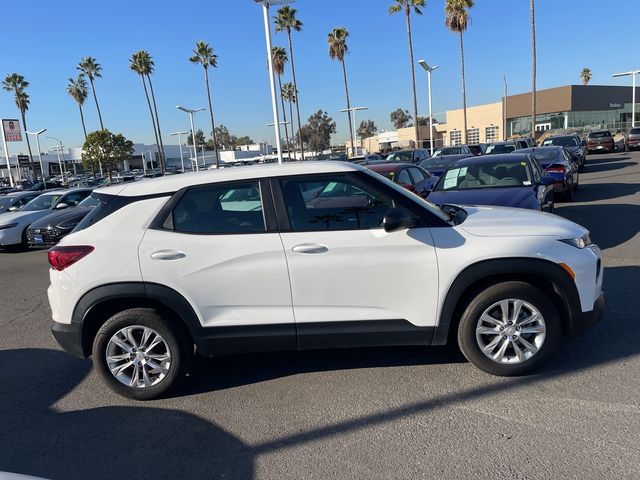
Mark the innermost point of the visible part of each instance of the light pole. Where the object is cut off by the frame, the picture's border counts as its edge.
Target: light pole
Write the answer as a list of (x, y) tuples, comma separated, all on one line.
[(179, 134), (274, 101), (193, 131), (353, 111), (60, 151), (633, 95), (282, 123), (504, 107), (429, 70), (37, 134)]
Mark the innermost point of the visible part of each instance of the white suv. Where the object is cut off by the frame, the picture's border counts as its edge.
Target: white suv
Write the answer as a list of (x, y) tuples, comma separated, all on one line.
[(305, 256)]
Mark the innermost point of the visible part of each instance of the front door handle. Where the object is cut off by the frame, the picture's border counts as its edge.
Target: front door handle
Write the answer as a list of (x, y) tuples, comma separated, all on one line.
[(168, 255), (310, 248)]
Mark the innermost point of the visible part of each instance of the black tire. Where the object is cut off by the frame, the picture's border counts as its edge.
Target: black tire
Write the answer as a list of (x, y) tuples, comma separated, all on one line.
[(502, 291), (176, 339)]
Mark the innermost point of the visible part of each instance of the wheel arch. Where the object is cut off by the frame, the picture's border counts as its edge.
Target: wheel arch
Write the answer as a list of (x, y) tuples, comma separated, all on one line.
[(544, 274), (97, 305)]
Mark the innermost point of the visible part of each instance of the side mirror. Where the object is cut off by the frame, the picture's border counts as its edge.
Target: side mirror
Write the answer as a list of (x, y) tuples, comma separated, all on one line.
[(62, 206), (547, 180), (396, 219), (15, 208)]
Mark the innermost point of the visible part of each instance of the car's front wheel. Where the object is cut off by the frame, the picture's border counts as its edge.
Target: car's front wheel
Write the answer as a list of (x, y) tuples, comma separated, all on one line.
[(509, 329), (139, 354)]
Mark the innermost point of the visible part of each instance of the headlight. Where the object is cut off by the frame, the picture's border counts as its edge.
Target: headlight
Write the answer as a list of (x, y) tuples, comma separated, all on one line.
[(580, 242), (8, 225)]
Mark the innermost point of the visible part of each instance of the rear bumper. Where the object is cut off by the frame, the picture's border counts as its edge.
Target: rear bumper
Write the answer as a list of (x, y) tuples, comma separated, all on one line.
[(588, 319), (69, 336)]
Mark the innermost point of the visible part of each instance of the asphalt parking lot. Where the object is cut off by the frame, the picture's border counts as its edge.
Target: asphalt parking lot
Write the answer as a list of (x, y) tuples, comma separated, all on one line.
[(369, 413)]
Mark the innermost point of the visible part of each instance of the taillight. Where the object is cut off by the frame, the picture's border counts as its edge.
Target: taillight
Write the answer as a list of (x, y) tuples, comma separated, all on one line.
[(556, 169), (63, 257)]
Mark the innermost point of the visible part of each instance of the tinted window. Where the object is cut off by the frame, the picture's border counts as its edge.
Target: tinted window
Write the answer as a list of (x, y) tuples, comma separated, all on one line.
[(562, 141), (634, 131), (417, 175), (401, 157), (599, 134), (497, 149), (230, 208), (105, 206), (403, 177), (43, 202), (72, 199), (336, 202), (5, 203)]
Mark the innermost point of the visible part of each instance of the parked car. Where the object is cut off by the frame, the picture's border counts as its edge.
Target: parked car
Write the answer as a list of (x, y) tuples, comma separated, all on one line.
[(5, 190), (633, 139), (409, 156), (407, 175), (514, 180), (13, 226), (457, 151), (45, 185), (15, 201), (339, 257), (478, 149), (496, 148), (600, 141), (369, 159), (574, 145), (437, 165), (50, 229), (557, 163)]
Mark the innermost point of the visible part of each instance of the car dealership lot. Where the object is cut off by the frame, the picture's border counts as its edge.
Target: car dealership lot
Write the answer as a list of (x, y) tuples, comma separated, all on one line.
[(371, 413)]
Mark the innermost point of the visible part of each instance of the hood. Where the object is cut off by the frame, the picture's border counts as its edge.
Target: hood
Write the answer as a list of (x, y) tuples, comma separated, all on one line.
[(505, 197), (517, 222), (22, 217), (56, 218), (573, 150)]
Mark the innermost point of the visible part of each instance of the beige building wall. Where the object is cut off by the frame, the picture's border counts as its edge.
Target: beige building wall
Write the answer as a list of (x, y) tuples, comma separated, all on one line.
[(481, 117)]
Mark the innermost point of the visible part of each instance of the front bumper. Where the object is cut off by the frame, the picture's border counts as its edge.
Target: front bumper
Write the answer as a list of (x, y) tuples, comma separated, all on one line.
[(10, 236), (69, 336), (588, 319)]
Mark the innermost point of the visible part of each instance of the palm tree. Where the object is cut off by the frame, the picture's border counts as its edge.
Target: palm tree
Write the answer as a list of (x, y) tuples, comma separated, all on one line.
[(141, 63), (585, 75), (286, 21), (204, 55), (457, 20), (533, 86), (279, 56), (77, 89), (407, 6), (289, 94), (337, 40), (148, 61), (92, 70), (16, 83)]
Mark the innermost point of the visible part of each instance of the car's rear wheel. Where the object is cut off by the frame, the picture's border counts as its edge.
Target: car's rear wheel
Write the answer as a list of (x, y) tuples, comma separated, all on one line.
[(509, 329), (139, 354)]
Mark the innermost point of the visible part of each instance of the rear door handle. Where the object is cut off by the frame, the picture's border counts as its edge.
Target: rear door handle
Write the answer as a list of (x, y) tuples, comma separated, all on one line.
[(168, 255), (310, 248)]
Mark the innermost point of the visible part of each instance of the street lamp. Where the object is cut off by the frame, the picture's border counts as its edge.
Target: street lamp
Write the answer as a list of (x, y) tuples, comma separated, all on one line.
[(633, 100), (353, 111), (179, 134), (274, 101), (504, 114), (37, 134), (60, 151), (429, 70), (193, 131)]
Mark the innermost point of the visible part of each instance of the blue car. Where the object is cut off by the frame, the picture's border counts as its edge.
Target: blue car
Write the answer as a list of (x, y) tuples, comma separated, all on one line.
[(557, 163), (508, 180)]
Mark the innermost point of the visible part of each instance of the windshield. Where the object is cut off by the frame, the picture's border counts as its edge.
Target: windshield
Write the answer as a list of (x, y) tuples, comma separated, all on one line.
[(547, 156), (561, 142), (634, 131), (400, 157), (43, 202), (6, 203), (434, 163), (90, 201), (501, 148), (486, 175), (446, 151)]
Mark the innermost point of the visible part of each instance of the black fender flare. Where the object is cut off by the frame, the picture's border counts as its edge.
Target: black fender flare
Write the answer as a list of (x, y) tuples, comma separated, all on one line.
[(545, 270)]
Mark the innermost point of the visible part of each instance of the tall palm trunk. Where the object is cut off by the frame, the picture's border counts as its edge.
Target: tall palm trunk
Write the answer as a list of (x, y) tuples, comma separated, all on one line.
[(153, 120), (464, 92), (213, 123), (413, 74), (163, 162), (26, 136), (346, 89), (84, 128), (292, 125), (295, 87), (284, 118), (533, 86), (95, 99)]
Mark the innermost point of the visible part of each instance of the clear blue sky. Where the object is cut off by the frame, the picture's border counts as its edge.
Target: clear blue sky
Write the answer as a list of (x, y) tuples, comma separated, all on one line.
[(47, 45)]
